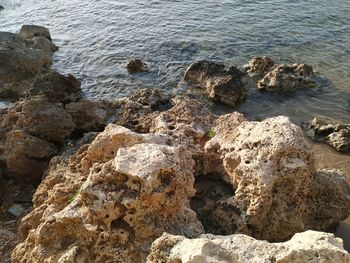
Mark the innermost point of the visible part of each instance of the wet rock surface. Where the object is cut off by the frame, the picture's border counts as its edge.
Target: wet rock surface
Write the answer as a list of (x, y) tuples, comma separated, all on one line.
[(259, 66), (223, 84), (136, 66), (288, 78), (309, 246), (336, 135)]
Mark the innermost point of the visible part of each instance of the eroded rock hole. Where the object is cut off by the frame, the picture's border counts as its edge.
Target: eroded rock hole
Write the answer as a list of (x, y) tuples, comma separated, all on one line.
[(214, 206)]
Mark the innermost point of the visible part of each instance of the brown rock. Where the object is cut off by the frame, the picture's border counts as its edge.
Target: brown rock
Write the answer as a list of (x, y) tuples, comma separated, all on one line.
[(122, 205), (136, 66), (226, 85), (259, 65), (287, 78), (30, 31)]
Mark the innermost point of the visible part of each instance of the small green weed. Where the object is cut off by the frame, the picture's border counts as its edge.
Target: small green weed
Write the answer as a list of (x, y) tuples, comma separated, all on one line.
[(211, 134), (76, 193)]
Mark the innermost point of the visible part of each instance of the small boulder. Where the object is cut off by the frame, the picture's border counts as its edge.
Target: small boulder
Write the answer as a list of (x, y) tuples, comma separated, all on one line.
[(287, 78), (136, 66), (309, 246), (1, 7), (44, 44), (337, 135), (259, 65), (30, 31), (223, 84)]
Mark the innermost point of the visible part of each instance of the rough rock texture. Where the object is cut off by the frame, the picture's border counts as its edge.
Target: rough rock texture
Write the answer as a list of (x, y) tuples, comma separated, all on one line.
[(335, 135), (136, 65), (271, 168), (30, 31), (25, 61), (223, 84), (8, 240), (287, 78), (309, 246), (259, 65), (136, 188), (31, 132)]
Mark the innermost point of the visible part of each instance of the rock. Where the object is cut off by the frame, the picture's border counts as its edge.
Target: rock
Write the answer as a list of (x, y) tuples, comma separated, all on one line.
[(287, 78), (271, 169), (26, 155), (223, 84), (309, 246), (334, 134), (8, 239), (136, 66), (55, 87), (30, 31), (259, 65), (1, 7), (44, 43), (16, 210), (136, 188)]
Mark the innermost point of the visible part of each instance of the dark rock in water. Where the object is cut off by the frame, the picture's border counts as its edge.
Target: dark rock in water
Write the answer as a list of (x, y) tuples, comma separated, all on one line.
[(55, 87), (1, 7), (223, 84), (335, 135), (136, 65), (259, 65), (30, 31), (287, 78)]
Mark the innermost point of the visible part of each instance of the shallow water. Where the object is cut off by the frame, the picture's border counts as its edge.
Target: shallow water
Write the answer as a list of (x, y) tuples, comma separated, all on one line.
[(97, 38)]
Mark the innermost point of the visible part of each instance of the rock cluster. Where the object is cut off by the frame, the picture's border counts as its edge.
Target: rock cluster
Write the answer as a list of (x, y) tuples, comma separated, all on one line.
[(25, 60), (335, 135), (111, 199), (229, 85), (309, 246), (223, 84)]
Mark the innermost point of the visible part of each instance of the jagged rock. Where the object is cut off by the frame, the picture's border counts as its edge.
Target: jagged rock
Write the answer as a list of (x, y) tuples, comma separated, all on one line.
[(335, 135), (271, 168), (113, 211), (223, 84), (25, 61), (55, 87), (259, 65), (309, 246), (40, 118), (136, 66), (30, 31), (287, 78), (25, 154)]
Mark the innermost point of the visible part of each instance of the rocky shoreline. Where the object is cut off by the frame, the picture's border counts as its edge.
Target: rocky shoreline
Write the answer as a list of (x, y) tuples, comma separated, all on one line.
[(156, 178)]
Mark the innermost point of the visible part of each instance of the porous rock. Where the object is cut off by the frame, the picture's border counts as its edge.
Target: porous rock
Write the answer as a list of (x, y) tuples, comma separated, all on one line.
[(309, 246), (259, 65), (288, 78), (223, 84), (271, 168), (124, 202)]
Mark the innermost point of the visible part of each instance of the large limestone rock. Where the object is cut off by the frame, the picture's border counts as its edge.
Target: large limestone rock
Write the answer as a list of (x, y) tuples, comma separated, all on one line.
[(223, 84), (271, 168), (309, 246), (288, 78), (137, 189)]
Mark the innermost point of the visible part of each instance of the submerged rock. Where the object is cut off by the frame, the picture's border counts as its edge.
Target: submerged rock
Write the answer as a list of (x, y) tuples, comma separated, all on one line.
[(335, 135), (1, 7), (223, 84), (309, 246), (136, 66), (287, 78)]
